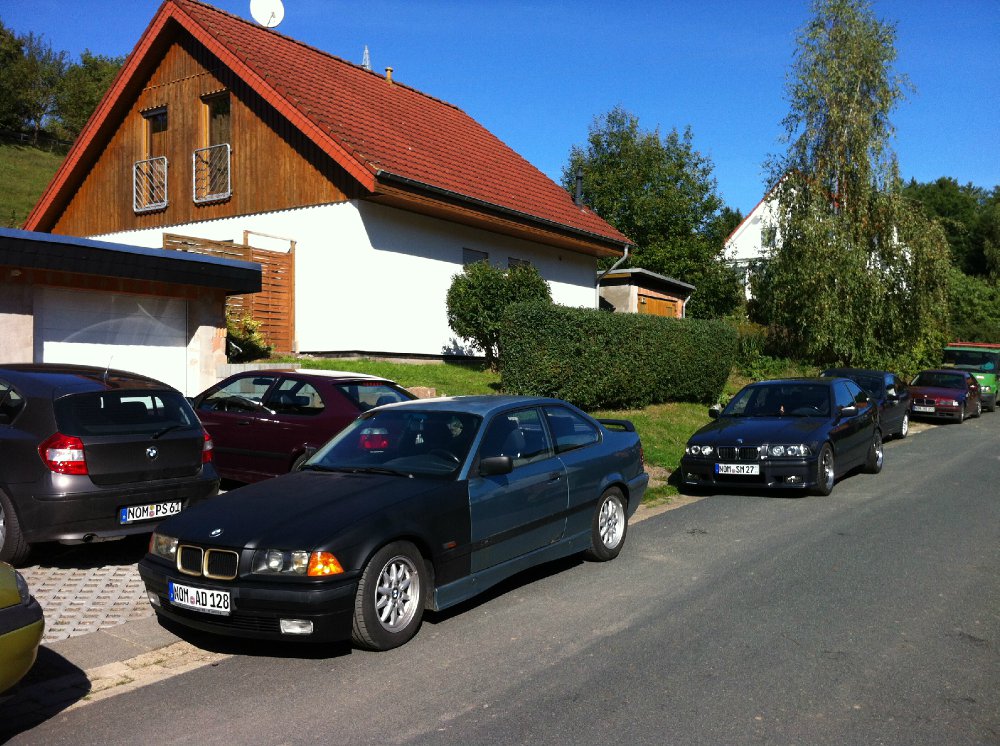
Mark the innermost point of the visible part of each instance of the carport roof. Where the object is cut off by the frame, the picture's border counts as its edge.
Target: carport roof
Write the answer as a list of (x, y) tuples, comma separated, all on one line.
[(32, 250)]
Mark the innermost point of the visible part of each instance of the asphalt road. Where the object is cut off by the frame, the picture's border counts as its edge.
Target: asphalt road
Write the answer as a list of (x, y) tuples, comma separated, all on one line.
[(871, 616)]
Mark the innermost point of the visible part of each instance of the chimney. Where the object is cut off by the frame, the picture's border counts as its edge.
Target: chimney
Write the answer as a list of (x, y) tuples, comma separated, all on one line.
[(578, 197), (388, 75)]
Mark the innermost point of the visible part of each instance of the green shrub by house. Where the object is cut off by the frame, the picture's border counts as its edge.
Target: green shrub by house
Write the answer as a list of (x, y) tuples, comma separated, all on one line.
[(597, 359)]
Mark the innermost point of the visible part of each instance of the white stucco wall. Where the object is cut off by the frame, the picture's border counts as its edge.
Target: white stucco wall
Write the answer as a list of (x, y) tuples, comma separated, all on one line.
[(373, 278)]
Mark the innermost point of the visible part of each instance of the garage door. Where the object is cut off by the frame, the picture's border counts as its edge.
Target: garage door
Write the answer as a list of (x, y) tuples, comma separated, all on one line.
[(139, 333)]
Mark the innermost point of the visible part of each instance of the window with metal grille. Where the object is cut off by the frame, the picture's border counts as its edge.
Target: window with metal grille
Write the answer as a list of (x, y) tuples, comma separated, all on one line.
[(211, 170), (149, 184)]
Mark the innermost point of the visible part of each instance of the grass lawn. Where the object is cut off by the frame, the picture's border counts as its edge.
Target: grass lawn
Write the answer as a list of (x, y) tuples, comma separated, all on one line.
[(664, 428), (24, 172)]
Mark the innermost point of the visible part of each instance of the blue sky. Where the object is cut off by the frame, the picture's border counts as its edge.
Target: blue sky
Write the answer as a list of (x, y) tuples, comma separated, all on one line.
[(538, 72)]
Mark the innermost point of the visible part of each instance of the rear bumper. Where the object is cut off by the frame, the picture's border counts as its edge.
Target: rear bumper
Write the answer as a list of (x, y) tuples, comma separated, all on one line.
[(19, 645), (83, 511), (257, 610), (790, 473)]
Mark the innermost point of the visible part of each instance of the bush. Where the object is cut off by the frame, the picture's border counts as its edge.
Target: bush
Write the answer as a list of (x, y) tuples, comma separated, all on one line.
[(479, 296), (244, 341), (599, 360)]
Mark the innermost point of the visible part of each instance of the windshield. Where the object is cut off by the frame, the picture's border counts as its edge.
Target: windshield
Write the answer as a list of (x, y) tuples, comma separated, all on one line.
[(981, 360), (780, 400), (400, 441), (940, 380)]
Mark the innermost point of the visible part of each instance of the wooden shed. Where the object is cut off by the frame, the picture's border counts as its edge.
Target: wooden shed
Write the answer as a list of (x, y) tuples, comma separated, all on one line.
[(642, 291)]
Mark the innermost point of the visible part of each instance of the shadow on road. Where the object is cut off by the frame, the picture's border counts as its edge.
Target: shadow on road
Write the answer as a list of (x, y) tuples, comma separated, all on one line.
[(52, 685)]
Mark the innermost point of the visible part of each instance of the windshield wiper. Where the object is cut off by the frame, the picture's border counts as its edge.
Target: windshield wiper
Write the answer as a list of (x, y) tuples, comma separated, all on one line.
[(356, 470), (166, 430)]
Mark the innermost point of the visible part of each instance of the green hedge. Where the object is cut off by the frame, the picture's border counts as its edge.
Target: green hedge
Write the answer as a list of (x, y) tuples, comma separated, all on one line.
[(600, 360)]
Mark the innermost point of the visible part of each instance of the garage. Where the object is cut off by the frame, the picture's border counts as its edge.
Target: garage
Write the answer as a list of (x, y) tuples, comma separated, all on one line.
[(74, 300), (139, 333)]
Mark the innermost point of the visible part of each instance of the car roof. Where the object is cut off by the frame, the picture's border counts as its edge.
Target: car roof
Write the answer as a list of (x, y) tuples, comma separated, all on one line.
[(314, 372), (852, 371), (483, 405), (822, 380), (61, 378), (951, 371)]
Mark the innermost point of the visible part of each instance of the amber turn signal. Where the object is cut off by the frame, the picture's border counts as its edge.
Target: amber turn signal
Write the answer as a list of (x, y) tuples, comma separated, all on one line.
[(323, 563)]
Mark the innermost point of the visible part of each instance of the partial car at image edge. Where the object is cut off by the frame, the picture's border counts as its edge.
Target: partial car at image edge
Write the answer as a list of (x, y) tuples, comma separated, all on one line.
[(22, 624)]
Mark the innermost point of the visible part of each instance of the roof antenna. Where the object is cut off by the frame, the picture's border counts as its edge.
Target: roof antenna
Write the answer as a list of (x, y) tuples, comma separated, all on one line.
[(366, 60), (108, 369)]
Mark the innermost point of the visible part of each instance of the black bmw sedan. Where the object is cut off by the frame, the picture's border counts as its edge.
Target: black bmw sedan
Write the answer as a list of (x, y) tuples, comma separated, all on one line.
[(797, 433), (416, 505)]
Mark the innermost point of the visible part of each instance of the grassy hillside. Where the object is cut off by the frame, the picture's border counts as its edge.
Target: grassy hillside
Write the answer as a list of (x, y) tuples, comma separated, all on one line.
[(24, 174)]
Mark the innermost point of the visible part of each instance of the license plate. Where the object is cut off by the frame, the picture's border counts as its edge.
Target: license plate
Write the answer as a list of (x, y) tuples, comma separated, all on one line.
[(134, 513), (199, 599), (738, 469), (918, 408)]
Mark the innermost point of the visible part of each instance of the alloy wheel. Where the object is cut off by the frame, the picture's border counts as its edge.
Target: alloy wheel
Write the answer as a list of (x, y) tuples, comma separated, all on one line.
[(397, 593), (611, 522)]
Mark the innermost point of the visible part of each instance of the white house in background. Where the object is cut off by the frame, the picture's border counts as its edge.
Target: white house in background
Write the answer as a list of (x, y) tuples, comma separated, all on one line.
[(360, 196), (745, 244)]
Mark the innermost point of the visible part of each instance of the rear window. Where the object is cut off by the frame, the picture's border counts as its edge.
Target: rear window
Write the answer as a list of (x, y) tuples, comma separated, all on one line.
[(366, 395), (123, 413)]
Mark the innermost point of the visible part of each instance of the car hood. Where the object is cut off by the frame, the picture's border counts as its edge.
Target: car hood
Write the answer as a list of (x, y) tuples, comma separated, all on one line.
[(302, 510), (937, 392), (756, 430)]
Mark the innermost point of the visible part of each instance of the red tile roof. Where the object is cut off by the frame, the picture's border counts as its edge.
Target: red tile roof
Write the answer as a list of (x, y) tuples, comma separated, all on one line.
[(375, 129)]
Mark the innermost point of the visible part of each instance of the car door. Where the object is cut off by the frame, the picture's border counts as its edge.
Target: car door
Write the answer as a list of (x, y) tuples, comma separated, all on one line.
[(897, 403), (229, 412), (851, 433), (516, 513)]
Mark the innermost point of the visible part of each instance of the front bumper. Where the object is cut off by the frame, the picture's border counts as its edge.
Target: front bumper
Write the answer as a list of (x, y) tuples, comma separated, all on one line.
[(22, 627), (258, 607), (940, 413), (783, 473), (78, 510)]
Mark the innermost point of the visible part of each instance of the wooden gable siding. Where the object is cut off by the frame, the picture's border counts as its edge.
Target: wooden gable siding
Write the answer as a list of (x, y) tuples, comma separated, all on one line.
[(273, 165), (274, 306)]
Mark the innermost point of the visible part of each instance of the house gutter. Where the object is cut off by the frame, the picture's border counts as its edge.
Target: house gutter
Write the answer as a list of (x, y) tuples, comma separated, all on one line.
[(389, 176)]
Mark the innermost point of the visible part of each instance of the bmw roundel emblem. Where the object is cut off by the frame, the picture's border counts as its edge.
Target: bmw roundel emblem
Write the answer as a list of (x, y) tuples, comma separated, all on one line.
[(739, 441), (152, 452), (216, 532)]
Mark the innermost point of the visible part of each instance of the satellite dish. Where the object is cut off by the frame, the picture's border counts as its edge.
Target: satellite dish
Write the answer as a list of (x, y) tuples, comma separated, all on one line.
[(267, 13)]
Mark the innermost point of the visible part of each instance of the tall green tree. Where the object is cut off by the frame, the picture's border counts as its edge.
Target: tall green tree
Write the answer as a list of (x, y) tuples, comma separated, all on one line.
[(41, 71), (658, 191), (853, 275), (80, 90), (12, 98)]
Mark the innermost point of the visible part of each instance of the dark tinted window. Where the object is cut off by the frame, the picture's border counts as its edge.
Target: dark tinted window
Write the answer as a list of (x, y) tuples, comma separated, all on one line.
[(940, 380), (843, 395), (791, 399), (11, 403), (569, 430), (296, 397), (985, 360), (123, 413)]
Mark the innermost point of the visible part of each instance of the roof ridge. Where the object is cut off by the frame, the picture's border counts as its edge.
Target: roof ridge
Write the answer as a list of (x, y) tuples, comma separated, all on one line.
[(208, 6)]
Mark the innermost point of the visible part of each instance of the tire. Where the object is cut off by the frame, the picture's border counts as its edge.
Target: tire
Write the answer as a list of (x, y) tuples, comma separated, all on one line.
[(979, 408), (13, 548), (824, 471), (609, 527), (389, 604), (298, 462), (876, 454), (904, 426), (962, 415)]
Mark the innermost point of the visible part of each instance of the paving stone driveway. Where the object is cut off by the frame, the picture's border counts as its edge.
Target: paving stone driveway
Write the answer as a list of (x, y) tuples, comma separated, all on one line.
[(84, 588)]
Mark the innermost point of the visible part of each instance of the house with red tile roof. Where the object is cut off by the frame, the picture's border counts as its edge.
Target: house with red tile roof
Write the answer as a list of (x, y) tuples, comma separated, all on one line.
[(360, 196)]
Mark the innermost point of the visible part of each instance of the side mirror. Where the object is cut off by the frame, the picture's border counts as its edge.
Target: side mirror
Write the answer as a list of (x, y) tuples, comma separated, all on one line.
[(714, 411), (849, 411), (496, 465)]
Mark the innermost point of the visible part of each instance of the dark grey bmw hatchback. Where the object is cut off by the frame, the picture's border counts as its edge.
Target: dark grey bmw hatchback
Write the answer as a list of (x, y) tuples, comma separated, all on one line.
[(88, 454)]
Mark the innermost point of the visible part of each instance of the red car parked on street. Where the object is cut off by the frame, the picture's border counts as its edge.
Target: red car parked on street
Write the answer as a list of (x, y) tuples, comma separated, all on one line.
[(946, 394), (266, 422)]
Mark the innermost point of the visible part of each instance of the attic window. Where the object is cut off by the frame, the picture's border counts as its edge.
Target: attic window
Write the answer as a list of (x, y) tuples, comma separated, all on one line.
[(212, 181), (149, 176)]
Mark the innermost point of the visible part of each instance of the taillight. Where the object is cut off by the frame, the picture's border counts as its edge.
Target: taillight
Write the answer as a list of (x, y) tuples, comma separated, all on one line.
[(206, 448), (63, 454), (374, 439)]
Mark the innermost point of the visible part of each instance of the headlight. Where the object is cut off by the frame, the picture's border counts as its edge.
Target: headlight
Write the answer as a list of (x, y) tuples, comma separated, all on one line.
[(986, 389), (798, 450), (950, 402), (163, 546), (698, 450), (22, 587), (296, 562)]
